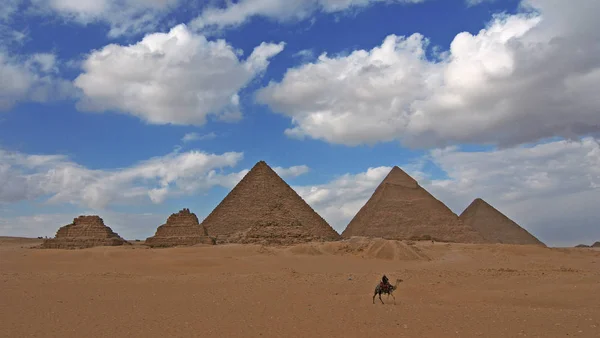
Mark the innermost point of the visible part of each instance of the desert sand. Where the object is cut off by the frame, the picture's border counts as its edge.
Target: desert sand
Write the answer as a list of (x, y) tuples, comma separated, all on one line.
[(306, 290)]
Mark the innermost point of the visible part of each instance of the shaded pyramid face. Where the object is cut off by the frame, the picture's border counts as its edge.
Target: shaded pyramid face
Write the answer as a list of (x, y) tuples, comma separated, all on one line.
[(181, 228), (494, 226), (84, 232), (401, 209), (263, 209)]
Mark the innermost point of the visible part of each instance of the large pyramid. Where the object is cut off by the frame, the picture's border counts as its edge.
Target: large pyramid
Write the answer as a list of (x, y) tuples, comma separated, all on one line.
[(494, 226), (181, 228), (401, 209), (84, 232), (263, 208)]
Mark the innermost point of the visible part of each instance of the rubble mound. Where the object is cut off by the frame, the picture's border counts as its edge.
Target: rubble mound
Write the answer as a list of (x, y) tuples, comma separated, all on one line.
[(182, 228), (596, 245), (263, 209), (363, 247), (400, 209), (84, 232), (494, 226)]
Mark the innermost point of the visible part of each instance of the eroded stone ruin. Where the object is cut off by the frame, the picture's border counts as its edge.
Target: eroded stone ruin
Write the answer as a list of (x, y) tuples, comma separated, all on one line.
[(84, 232), (181, 229)]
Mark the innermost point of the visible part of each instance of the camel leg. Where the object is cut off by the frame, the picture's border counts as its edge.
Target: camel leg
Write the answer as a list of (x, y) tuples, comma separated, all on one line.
[(381, 299), (375, 294), (393, 297)]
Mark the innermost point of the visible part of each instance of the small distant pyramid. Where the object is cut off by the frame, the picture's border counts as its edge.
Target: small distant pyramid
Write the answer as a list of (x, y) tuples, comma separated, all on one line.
[(263, 208), (494, 226), (181, 228), (401, 209), (596, 245), (84, 232)]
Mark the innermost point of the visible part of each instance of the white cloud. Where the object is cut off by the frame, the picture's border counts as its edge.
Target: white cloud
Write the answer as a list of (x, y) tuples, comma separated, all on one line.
[(339, 200), (190, 137), (176, 77), (523, 78), (124, 17), (28, 177), (30, 78), (476, 2), (550, 189), (305, 55), (291, 172), (8, 9), (238, 13)]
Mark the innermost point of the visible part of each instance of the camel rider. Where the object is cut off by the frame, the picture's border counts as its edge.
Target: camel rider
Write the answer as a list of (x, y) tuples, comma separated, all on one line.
[(384, 281)]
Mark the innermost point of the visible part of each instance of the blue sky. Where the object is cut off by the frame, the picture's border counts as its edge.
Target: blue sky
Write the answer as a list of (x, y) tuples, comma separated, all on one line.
[(135, 109)]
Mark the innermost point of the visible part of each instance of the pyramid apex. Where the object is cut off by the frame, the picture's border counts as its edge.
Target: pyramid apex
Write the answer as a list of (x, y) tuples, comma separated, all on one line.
[(478, 201), (261, 163), (398, 176)]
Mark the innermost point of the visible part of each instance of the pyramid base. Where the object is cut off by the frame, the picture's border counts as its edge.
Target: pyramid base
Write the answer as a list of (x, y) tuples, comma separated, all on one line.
[(81, 243), (171, 241), (273, 235)]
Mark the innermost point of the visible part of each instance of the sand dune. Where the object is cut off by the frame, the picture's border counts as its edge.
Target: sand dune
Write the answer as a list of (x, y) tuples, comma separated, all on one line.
[(307, 290)]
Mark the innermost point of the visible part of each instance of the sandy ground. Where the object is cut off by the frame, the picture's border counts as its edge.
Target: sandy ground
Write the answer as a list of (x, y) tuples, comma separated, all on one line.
[(316, 290)]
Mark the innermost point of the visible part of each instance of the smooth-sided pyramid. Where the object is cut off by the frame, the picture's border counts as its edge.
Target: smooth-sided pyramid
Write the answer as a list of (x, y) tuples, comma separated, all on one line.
[(401, 209), (181, 228), (262, 208), (494, 226), (84, 232)]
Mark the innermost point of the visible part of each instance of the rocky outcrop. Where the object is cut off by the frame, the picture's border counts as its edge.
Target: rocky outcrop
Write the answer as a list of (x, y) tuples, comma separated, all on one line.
[(181, 229), (84, 232), (263, 209), (400, 209)]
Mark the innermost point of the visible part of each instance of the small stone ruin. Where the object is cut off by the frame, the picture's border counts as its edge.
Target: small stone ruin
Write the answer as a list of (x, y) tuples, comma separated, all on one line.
[(182, 228), (84, 232)]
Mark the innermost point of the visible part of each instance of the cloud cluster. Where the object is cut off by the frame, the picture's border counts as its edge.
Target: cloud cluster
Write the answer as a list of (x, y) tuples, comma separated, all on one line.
[(235, 14), (31, 78), (124, 17), (523, 78), (176, 77), (60, 180), (550, 189), (191, 137)]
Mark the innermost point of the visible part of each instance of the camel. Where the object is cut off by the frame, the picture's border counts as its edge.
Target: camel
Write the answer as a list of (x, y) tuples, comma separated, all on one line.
[(389, 289)]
